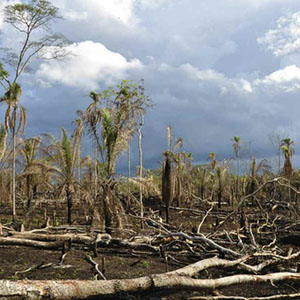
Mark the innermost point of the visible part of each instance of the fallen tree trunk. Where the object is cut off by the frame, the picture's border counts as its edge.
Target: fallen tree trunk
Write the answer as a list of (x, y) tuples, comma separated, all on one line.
[(78, 289), (102, 240), (76, 238), (169, 282), (30, 243)]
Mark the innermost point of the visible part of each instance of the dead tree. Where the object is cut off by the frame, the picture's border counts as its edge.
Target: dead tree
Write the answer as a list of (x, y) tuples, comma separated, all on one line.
[(167, 184)]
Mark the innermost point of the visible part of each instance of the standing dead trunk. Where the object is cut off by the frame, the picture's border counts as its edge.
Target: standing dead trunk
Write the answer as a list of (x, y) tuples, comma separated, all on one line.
[(141, 167), (106, 207), (178, 190), (29, 189), (69, 204), (14, 215), (129, 175), (219, 197), (167, 186)]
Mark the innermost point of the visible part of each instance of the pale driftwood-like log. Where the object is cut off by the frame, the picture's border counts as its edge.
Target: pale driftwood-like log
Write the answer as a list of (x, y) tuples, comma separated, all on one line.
[(75, 238), (273, 297), (78, 289), (31, 239), (205, 264), (30, 243)]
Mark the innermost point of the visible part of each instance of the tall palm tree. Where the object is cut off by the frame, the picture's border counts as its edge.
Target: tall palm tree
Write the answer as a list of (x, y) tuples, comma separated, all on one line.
[(288, 149), (110, 119), (92, 117), (15, 121)]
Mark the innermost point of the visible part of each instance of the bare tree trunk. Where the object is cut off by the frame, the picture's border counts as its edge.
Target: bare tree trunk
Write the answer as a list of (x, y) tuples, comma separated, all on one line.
[(69, 204), (14, 215), (29, 189), (94, 201), (167, 186), (238, 175), (141, 166), (106, 207), (88, 289), (95, 173), (129, 161)]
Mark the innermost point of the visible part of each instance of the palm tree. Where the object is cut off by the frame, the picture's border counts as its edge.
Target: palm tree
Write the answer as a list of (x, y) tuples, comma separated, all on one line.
[(213, 162), (63, 156), (288, 149), (15, 121), (91, 117), (110, 119), (221, 171), (29, 152)]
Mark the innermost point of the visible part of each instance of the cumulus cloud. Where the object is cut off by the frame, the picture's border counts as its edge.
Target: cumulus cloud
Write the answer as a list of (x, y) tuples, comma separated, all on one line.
[(285, 38), (89, 64), (287, 79), (225, 84)]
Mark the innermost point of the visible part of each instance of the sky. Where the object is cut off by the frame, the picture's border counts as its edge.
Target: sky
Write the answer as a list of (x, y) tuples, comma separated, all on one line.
[(214, 69)]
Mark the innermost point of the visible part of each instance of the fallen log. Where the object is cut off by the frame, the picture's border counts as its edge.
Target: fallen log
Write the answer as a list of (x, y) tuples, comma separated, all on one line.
[(169, 282), (30, 243), (102, 240), (78, 289), (75, 238)]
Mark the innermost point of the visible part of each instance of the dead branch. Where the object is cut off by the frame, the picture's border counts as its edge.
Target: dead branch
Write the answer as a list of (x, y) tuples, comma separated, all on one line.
[(211, 243), (204, 218), (276, 180), (44, 266), (95, 265)]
